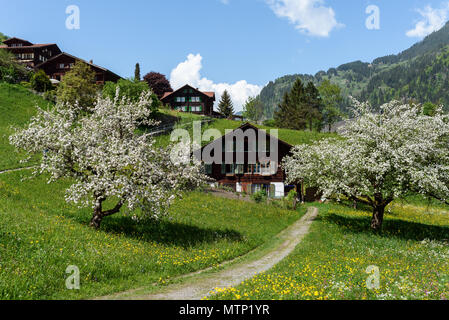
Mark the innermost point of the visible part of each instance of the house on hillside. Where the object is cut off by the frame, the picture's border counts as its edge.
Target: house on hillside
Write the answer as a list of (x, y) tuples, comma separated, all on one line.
[(244, 168), (189, 99), (59, 65), (28, 53), (52, 60)]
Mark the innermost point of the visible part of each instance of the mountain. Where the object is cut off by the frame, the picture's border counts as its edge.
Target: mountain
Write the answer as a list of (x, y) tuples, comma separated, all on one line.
[(420, 72)]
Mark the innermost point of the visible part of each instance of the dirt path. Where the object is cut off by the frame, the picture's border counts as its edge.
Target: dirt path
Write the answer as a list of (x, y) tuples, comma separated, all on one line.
[(14, 170), (201, 284)]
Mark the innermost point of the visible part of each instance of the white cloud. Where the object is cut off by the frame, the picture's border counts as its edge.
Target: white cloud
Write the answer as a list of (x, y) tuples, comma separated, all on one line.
[(431, 20), (224, 1), (188, 72), (311, 17)]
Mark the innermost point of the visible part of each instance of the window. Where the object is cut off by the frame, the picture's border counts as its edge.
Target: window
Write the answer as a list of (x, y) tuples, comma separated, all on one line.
[(185, 108), (61, 66), (180, 99), (195, 99), (197, 109), (229, 145), (230, 169), (239, 169), (208, 168), (268, 168)]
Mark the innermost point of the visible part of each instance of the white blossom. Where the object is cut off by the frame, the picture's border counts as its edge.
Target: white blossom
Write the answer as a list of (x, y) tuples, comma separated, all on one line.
[(106, 157), (381, 156)]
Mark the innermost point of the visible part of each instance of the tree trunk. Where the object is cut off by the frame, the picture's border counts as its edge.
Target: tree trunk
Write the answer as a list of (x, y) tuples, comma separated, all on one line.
[(99, 214), (378, 217), (96, 220)]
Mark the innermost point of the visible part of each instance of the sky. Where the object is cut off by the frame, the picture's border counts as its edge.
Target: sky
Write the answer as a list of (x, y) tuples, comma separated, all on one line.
[(237, 45)]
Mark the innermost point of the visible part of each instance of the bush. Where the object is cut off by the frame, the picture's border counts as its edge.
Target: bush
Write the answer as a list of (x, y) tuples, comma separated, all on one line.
[(50, 96), (11, 70), (130, 89), (78, 88), (269, 123), (40, 82), (25, 84), (259, 196)]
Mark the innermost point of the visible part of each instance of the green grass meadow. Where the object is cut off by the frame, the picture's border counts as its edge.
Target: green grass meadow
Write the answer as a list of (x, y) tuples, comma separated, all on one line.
[(411, 254), (41, 235)]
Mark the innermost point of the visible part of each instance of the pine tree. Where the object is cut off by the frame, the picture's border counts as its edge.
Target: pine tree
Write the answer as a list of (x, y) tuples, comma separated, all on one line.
[(226, 107), (137, 72), (313, 108), (290, 113)]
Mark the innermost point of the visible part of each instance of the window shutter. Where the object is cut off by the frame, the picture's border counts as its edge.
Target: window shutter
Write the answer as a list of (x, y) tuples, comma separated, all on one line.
[(223, 168), (272, 191)]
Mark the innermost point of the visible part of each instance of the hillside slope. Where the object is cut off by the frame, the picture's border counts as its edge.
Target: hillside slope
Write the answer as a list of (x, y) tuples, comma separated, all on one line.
[(419, 72), (17, 106)]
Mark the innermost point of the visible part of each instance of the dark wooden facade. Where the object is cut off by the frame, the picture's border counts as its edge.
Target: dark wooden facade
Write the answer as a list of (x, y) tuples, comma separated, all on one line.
[(59, 65), (30, 54), (189, 99), (52, 60), (250, 177)]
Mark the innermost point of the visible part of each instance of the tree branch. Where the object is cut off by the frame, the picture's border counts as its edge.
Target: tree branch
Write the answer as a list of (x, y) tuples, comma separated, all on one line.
[(115, 210)]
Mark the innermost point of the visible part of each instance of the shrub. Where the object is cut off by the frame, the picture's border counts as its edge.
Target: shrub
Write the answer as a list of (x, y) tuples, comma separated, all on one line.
[(40, 82), (259, 196), (78, 88), (131, 90), (25, 84), (269, 123), (50, 96), (11, 70)]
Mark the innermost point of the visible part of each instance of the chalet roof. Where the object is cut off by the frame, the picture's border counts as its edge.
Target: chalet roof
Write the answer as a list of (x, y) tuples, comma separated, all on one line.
[(39, 45), (17, 39), (206, 93), (248, 125), (76, 58)]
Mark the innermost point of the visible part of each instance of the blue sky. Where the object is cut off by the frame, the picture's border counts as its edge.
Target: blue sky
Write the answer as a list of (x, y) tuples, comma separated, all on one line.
[(239, 45)]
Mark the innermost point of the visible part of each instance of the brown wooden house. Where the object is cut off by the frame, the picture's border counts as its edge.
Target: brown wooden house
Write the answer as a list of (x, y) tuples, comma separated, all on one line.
[(249, 176), (28, 53), (189, 99), (59, 65)]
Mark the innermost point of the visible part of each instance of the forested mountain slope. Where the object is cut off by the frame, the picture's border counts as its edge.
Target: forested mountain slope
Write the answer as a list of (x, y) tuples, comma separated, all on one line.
[(420, 72)]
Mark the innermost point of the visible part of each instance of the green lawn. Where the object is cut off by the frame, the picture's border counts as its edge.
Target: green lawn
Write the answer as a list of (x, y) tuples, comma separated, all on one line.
[(41, 235), (17, 106), (412, 255)]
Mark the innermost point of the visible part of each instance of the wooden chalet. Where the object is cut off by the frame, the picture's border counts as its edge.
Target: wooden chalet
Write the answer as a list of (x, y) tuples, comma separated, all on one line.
[(249, 176), (52, 60), (189, 99), (28, 53), (59, 65)]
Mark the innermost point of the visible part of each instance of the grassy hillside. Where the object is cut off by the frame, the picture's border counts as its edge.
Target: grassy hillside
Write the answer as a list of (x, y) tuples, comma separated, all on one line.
[(17, 106), (40, 236), (331, 262)]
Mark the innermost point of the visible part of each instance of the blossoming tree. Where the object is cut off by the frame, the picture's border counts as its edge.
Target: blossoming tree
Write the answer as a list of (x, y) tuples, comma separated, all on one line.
[(106, 158), (381, 157)]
